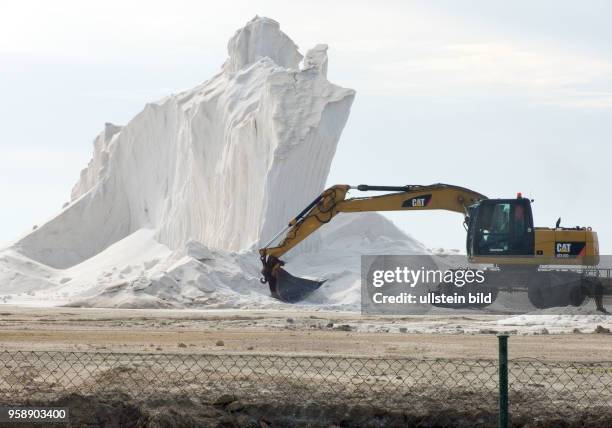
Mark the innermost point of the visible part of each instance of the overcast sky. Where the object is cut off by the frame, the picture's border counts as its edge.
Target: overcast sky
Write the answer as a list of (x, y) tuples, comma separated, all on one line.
[(497, 96)]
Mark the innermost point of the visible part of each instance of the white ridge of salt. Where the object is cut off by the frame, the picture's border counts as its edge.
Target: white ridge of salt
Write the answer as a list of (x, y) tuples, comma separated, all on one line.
[(226, 163), (170, 210)]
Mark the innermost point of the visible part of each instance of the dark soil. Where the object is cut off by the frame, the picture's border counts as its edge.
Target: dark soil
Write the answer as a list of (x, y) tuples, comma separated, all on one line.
[(119, 410)]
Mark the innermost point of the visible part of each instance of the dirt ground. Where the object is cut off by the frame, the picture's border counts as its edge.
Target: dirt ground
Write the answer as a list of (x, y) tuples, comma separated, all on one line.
[(257, 331), (451, 382)]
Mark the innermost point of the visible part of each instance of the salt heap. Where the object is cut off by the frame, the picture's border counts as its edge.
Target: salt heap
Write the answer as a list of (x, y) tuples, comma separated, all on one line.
[(172, 205)]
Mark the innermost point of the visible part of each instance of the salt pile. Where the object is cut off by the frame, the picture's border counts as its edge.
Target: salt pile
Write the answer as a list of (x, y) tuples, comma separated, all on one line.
[(172, 206)]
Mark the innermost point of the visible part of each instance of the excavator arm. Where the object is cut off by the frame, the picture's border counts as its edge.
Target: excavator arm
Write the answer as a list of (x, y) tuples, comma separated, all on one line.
[(331, 202)]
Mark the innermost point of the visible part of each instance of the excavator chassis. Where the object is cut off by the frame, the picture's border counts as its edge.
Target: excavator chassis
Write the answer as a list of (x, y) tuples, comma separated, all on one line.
[(545, 287)]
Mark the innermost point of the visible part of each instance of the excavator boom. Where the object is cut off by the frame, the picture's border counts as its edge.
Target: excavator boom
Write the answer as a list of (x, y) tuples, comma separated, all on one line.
[(331, 202)]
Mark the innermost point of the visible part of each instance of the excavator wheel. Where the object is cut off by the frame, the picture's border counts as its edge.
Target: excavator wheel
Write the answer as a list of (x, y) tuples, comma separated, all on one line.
[(555, 289)]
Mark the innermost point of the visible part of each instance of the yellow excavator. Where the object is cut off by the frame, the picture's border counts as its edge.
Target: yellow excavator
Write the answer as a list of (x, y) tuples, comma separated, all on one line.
[(500, 232)]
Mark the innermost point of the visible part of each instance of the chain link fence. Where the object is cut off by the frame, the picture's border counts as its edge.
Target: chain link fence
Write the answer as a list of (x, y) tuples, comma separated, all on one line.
[(570, 388), (428, 391)]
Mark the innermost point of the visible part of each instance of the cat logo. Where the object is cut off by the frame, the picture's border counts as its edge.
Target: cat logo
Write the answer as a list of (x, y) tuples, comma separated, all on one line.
[(570, 249), (417, 202), (564, 247)]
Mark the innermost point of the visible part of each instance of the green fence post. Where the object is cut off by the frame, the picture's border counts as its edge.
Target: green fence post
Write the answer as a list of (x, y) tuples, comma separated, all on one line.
[(503, 380)]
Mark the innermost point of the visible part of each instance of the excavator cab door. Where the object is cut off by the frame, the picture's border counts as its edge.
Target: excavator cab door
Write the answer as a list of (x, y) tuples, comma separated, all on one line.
[(500, 227)]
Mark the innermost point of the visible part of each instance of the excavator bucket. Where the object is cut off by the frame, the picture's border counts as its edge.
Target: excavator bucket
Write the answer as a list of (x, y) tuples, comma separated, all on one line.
[(291, 289), (284, 286)]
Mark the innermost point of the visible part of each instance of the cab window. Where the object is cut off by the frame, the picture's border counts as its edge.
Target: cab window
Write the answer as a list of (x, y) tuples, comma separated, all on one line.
[(495, 228), (502, 228)]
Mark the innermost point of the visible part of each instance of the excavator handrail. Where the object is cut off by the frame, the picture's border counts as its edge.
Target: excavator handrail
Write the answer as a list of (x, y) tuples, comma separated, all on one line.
[(413, 187)]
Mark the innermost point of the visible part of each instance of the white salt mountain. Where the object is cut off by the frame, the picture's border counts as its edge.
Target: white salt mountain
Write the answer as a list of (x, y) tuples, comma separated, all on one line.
[(172, 205)]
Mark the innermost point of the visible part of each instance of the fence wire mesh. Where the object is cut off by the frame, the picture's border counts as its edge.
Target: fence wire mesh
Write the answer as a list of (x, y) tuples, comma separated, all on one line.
[(419, 386), (569, 387)]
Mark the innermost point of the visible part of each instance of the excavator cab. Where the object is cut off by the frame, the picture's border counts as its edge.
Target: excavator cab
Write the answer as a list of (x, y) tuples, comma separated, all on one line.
[(500, 227)]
